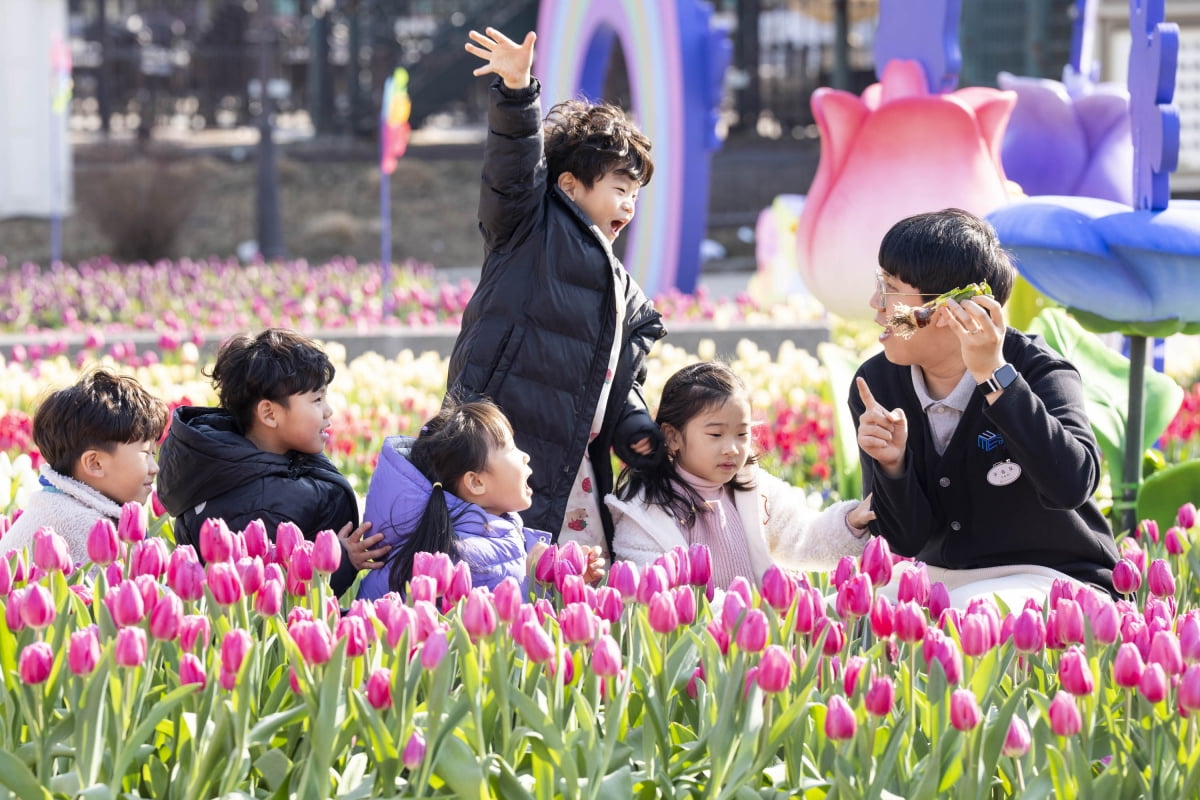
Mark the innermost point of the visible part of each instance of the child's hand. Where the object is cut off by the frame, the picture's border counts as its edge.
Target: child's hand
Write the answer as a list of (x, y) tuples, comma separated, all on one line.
[(595, 565), (643, 446), (861, 514), (511, 61), (359, 549)]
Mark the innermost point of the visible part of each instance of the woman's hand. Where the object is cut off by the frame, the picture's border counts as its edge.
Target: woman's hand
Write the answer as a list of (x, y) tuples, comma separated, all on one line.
[(359, 549)]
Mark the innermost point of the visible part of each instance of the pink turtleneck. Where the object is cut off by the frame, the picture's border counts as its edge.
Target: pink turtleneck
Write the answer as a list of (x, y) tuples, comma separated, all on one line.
[(720, 527)]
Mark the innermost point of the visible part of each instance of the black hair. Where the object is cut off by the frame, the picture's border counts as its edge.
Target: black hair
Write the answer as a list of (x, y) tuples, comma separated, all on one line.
[(944, 250), (457, 441), (589, 141), (100, 411), (689, 392), (274, 365)]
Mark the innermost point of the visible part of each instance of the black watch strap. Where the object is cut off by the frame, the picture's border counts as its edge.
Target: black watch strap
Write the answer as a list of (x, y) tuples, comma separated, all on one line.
[(1001, 378)]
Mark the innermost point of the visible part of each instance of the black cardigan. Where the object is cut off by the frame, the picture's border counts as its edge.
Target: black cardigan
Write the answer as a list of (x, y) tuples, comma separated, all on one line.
[(537, 333), (944, 511)]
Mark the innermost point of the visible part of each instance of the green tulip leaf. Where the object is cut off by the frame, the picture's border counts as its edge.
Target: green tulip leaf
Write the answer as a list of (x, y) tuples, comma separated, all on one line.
[(1105, 376), (457, 766), (19, 779), (1164, 492), (275, 767)]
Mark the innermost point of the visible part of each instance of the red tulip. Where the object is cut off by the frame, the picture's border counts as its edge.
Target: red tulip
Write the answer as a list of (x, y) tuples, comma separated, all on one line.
[(379, 688), (1017, 740), (606, 657), (880, 696), (964, 710), (50, 551), (1065, 719), (1074, 673), (774, 669), (839, 719), (83, 651), (35, 663), (130, 649)]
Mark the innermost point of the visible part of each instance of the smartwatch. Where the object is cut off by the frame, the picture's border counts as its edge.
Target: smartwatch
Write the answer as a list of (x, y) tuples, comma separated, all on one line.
[(1002, 378)]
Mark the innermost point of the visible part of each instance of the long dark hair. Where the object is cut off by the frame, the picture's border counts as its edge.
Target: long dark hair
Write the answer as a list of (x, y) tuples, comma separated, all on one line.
[(455, 442), (691, 391)]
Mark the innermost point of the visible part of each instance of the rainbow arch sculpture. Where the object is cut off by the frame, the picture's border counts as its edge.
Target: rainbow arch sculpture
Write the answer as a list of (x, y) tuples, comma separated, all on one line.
[(676, 57)]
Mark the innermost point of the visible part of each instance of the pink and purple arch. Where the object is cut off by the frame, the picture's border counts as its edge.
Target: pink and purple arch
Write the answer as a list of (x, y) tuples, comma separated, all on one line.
[(675, 57)]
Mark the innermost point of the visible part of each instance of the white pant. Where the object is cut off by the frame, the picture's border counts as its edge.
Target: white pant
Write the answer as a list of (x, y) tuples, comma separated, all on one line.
[(1011, 584)]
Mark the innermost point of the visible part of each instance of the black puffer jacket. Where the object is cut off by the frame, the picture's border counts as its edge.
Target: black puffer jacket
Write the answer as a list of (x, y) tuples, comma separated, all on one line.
[(537, 334), (208, 469)]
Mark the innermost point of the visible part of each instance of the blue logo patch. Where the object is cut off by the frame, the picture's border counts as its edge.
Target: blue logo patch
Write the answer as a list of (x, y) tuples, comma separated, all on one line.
[(989, 441)]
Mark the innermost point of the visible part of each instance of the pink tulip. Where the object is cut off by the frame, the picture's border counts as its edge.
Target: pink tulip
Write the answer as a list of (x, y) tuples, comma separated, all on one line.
[(396, 618), (741, 587), (435, 648), (314, 640), (609, 606), (353, 629), (775, 669), (573, 589), (189, 581), (1128, 666), (379, 688), (148, 557), (327, 552), (652, 581), (883, 617), (479, 614), (854, 597), (754, 631), (83, 650), (103, 546), (166, 617), (1189, 688), (845, 569), (578, 623), (300, 566), (606, 657), (235, 645), (191, 671), (732, 610), (131, 526), (539, 647), (839, 719), (1066, 622), (834, 633), (414, 750), (12, 610), (1174, 540), (224, 582), (964, 710), (700, 565), (252, 573), (672, 564), (1017, 740), (939, 600), (1189, 636), (50, 551), (258, 543), (37, 607), (910, 622), (1160, 579), (6, 576), (130, 649), (778, 588), (1153, 684), (287, 536), (663, 616), (808, 608), (36, 661), (1131, 551), (126, 605), (506, 598), (623, 576), (1186, 518), (877, 561), (974, 636), (422, 588), (1106, 623), (685, 603), (1148, 528), (914, 585), (1029, 632), (1074, 673), (194, 630), (880, 696), (573, 554), (936, 647), (1165, 650), (1065, 719), (543, 571), (854, 670)]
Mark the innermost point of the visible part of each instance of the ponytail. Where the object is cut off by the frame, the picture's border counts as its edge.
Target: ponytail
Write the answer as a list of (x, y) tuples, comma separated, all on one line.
[(434, 533)]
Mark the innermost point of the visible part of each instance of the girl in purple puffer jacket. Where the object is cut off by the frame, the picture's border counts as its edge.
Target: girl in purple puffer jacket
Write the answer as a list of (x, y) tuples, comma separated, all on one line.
[(457, 489)]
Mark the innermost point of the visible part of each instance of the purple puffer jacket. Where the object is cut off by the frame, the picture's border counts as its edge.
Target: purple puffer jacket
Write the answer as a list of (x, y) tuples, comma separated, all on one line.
[(493, 546)]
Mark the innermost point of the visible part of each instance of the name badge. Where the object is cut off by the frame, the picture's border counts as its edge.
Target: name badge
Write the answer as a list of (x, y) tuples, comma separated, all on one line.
[(1003, 473)]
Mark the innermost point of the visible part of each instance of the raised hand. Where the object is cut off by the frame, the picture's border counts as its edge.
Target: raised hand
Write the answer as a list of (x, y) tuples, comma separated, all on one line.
[(979, 325), (511, 61), (882, 434)]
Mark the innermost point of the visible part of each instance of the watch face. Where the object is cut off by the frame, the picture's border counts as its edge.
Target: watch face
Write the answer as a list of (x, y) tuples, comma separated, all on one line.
[(1005, 375)]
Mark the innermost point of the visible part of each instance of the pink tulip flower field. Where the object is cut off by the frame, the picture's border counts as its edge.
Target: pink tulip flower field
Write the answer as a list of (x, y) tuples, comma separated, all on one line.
[(158, 671)]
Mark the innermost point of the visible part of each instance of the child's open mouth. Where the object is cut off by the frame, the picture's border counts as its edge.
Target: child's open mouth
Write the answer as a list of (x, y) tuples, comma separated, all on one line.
[(616, 225)]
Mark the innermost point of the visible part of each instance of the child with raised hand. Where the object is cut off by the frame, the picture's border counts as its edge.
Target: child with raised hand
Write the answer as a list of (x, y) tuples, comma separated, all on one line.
[(458, 488), (261, 454), (557, 332), (710, 491), (98, 440)]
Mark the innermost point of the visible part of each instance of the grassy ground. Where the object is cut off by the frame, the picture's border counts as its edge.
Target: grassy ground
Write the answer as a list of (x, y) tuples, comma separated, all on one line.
[(181, 202)]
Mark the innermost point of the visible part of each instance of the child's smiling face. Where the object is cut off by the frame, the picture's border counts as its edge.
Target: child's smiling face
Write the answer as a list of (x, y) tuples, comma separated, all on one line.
[(714, 444), (610, 203), (505, 480)]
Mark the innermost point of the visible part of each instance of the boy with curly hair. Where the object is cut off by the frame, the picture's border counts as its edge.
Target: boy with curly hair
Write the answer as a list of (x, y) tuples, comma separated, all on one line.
[(260, 455), (557, 331), (97, 441)]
